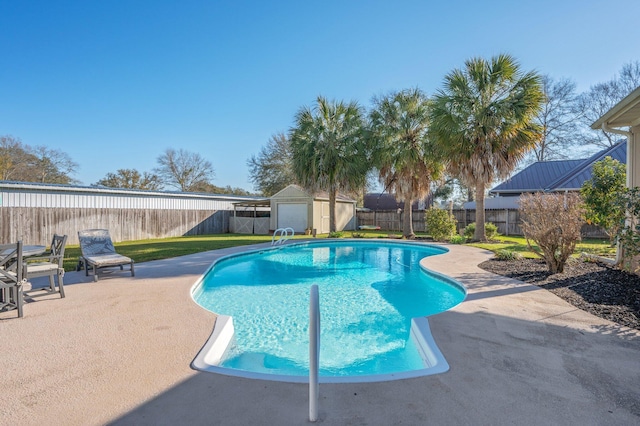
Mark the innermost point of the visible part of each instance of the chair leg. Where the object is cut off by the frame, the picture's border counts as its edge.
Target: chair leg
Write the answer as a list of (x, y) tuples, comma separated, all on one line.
[(52, 284), (19, 300), (61, 284), (95, 273), (133, 274)]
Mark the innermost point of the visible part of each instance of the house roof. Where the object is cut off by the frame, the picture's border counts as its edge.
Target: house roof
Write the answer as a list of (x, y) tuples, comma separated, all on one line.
[(624, 113), (385, 201), (566, 175), (574, 180), (536, 177)]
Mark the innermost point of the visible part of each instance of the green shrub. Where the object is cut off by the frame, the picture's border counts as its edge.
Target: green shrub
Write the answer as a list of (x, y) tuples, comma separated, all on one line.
[(440, 224), (469, 230), (507, 255), (336, 234), (457, 239), (490, 230)]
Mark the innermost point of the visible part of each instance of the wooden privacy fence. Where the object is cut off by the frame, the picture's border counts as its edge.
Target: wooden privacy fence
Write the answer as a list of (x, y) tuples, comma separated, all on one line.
[(506, 220), (36, 225)]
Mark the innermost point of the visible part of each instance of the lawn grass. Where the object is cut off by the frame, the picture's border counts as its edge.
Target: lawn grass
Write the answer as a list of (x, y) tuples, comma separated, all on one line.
[(146, 250), (155, 249), (600, 247), (163, 248)]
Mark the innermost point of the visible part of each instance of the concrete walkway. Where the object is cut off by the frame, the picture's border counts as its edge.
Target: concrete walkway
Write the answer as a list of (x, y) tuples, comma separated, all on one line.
[(118, 352)]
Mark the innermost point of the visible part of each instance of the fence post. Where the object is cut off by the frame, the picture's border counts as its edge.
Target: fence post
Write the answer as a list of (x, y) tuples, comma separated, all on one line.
[(507, 220)]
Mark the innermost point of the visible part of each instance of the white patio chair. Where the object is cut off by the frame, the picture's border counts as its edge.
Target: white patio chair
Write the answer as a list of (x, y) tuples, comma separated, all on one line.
[(49, 265)]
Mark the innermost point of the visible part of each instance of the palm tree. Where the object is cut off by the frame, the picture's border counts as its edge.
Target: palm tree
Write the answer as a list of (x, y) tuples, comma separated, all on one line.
[(328, 149), (483, 120), (404, 154)]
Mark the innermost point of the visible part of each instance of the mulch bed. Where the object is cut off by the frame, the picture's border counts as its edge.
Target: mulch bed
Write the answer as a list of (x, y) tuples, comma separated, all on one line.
[(596, 288)]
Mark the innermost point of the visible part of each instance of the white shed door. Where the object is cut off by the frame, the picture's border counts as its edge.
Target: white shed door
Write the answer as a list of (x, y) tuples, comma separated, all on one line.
[(292, 216), (325, 218)]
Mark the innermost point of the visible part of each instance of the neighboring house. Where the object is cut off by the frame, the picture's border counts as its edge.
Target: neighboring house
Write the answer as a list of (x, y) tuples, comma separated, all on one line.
[(548, 176), (385, 202)]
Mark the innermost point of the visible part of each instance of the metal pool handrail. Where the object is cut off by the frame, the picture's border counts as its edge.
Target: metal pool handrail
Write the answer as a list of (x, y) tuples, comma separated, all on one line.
[(314, 352), (284, 233)]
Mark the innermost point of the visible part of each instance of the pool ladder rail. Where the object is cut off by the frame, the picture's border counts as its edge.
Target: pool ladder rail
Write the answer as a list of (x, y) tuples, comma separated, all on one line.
[(314, 352), (283, 235)]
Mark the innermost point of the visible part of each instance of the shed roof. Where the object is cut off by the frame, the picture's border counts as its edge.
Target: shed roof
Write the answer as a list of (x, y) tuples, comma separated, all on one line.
[(300, 191)]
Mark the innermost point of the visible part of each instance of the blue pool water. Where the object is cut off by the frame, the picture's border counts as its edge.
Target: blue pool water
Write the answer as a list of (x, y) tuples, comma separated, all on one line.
[(369, 292)]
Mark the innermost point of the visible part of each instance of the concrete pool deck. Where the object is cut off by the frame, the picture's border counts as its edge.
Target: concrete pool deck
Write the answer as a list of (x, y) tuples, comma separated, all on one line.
[(118, 351)]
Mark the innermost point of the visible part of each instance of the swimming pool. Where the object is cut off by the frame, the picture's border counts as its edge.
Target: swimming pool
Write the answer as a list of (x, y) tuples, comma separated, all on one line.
[(373, 299)]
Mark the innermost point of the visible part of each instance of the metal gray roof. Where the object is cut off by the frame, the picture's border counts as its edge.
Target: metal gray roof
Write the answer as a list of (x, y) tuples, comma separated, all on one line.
[(536, 177), (549, 176), (574, 180), (55, 187)]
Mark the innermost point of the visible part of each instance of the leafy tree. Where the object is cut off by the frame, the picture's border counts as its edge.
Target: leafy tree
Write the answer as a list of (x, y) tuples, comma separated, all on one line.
[(271, 170), (25, 163), (553, 222), (52, 165), (131, 179), (184, 170), (484, 121), (405, 156), (600, 193), (558, 118), (328, 149), (213, 189), (13, 158), (600, 98)]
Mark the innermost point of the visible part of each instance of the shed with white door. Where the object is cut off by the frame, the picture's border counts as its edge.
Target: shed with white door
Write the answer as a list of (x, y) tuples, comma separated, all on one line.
[(293, 207)]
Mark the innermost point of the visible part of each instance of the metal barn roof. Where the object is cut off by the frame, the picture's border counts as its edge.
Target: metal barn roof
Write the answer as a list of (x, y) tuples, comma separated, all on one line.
[(28, 194)]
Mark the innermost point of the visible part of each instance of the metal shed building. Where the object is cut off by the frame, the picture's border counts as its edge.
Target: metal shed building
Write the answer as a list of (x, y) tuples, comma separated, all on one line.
[(33, 212)]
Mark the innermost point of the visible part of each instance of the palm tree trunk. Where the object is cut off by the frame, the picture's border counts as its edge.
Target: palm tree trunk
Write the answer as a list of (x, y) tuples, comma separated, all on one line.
[(407, 221), (479, 234), (332, 209)]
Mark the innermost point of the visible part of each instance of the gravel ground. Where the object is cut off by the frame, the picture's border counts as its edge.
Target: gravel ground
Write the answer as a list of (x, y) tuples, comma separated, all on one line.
[(598, 289)]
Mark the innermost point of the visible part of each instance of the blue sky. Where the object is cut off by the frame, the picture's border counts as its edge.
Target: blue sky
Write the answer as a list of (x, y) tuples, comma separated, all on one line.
[(115, 83)]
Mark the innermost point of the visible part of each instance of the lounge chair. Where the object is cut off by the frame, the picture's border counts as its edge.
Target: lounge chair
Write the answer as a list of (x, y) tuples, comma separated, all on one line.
[(11, 279), (97, 251), (49, 265)]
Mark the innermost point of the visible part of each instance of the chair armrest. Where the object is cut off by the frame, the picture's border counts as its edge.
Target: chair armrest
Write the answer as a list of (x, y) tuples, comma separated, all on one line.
[(38, 258), (52, 259)]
